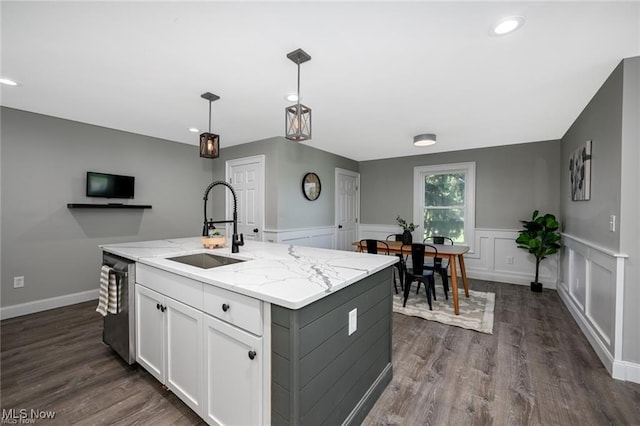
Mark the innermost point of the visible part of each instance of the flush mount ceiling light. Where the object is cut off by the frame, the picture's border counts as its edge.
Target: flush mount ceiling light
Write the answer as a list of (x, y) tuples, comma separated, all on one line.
[(194, 129), (298, 117), (209, 142), (507, 25), (8, 82), (425, 139)]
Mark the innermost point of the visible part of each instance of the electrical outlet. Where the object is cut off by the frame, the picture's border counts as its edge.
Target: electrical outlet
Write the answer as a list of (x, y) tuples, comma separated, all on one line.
[(353, 321), (509, 260), (18, 282)]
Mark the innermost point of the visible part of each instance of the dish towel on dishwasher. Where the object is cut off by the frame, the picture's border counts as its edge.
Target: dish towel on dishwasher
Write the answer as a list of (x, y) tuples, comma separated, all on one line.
[(108, 300)]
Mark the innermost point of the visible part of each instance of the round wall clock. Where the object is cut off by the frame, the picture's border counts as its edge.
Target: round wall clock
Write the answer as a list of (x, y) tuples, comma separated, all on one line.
[(311, 186)]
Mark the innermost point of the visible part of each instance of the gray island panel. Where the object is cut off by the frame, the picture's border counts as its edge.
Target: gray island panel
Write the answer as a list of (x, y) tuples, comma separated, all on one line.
[(320, 374)]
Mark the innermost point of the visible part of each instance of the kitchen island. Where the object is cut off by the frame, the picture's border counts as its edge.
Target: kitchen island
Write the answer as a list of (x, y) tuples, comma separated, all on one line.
[(287, 335)]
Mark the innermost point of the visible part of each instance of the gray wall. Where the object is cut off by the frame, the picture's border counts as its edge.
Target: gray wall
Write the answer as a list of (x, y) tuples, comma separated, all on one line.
[(600, 122), (44, 163), (286, 163), (610, 120), (295, 160), (511, 182)]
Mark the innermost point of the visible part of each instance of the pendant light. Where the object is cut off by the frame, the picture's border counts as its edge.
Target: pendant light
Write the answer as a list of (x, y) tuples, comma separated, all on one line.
[(209, 142), (298, 116)]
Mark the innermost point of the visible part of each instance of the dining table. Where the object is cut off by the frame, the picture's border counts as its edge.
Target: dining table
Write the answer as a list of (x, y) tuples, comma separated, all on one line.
[(445, 251)]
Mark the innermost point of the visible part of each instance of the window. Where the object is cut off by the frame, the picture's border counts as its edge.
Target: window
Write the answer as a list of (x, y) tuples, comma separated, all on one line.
[(444, 201)]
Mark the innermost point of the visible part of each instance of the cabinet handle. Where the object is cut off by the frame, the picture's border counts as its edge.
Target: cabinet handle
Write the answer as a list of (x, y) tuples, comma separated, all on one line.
[(157, 306), (225, 307), (163, 308), (252, 354), (255, 229)]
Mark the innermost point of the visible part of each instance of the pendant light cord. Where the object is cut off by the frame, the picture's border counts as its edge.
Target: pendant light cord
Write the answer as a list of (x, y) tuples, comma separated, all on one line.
[(298, 112), (209, 116)]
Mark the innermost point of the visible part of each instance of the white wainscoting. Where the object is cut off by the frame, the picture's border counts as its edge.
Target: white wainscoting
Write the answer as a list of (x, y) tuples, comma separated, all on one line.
[(592, 288), (322, 237), (498, 258), (495, 257)]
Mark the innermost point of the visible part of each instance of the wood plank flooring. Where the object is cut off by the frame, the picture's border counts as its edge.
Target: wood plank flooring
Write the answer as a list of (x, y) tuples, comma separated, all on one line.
[(536, 369)]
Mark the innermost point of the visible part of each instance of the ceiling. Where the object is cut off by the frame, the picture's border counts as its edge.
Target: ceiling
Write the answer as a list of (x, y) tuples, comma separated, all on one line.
[(380, 73)]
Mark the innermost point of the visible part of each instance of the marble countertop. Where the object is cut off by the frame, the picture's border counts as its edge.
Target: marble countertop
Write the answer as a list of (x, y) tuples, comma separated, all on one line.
[(286, 275)]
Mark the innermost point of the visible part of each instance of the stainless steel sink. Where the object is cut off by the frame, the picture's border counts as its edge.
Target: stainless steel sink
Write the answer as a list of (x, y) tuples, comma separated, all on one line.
[(204, 260)]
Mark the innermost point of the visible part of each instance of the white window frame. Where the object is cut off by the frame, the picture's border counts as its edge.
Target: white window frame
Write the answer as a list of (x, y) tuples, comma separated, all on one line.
[(469, 169)]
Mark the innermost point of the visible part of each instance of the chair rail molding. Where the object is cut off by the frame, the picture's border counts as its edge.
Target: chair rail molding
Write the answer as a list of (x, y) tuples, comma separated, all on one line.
[(592, 288), (496, 256)]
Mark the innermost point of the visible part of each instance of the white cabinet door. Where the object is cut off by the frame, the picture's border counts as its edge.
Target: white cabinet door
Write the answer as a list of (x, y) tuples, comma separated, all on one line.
[(184, 353), (150, 331), (233, 378)]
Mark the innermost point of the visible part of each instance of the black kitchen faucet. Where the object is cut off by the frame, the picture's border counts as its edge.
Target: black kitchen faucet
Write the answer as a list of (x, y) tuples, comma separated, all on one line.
[(236, 240)]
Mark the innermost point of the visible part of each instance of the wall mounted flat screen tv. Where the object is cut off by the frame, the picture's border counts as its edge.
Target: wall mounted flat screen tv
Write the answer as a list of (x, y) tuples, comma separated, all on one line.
[(105, 185)]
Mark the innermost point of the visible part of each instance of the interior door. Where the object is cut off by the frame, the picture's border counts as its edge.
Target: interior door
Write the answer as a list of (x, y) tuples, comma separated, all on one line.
[(246, 175), (347, 208)]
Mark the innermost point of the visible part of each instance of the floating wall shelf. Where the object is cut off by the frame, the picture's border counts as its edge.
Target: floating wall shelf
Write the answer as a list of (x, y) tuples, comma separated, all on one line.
[(107, 206)]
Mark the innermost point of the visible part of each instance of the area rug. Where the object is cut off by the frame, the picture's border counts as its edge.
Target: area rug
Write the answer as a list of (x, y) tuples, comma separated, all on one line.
[(476, 311)]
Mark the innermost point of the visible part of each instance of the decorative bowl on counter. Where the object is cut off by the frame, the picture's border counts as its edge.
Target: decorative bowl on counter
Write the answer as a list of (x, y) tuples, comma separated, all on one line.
[(214, 242)]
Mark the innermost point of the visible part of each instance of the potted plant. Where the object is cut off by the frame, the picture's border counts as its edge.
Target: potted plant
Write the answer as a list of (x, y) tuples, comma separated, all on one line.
[(215, 240), (408, 228), (541, 238)]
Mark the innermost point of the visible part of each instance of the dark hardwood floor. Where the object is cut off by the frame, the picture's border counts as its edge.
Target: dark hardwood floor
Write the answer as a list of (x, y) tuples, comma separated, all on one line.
[(536, 369)]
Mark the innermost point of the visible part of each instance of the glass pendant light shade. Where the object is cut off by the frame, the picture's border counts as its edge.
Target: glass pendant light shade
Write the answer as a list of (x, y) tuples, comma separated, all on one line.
[(209, 142), (298, 116), (298, 122), (209, 145)]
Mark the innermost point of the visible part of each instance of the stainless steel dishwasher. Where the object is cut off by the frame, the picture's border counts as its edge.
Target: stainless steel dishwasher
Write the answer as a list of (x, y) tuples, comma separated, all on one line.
[(119, 329)]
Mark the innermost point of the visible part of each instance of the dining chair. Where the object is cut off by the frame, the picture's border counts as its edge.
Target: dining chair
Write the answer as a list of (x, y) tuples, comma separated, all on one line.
[(419, 273), (372, 247), (402, 263), (438, 264)]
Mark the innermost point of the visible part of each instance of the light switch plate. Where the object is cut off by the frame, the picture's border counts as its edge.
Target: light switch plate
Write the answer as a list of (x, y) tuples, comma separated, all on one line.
[(353, 321), (612, 223)]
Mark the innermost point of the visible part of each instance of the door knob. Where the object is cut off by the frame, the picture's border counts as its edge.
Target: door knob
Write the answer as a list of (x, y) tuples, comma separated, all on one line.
[(225, 307), (255, 229)]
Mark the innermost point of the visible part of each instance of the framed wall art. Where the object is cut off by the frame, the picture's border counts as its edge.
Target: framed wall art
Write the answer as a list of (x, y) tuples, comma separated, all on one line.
[(580, 173)]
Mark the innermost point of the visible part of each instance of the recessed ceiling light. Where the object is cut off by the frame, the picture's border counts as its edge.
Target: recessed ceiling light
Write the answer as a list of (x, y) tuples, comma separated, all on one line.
[(193, 130), (507, 25), (8, 82), (292, 97)]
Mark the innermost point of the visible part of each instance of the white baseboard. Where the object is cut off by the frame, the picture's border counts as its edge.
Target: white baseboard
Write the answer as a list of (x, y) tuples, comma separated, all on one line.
[(46, 304), (624, 370), (505, 277)]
